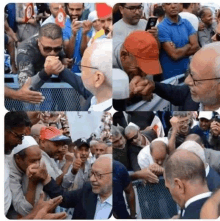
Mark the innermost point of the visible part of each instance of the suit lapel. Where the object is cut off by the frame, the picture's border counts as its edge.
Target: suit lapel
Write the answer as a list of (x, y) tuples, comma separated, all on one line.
[(91, 205)]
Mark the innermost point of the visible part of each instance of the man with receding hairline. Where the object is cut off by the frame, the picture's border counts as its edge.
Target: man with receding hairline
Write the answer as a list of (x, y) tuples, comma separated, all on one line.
[(185, 178)]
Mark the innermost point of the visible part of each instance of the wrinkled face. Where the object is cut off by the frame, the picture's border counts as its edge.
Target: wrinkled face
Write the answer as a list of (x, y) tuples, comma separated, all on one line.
[(13, 138), (184, 125), (106, 24), (174, 191), (207, 18), (33, 156), (100, 150), (97, 25), (50, 47), (204, 124), (159, 154), (135, 138), (216, 36), (171, 9), (54, 8), (206, 92), (84, 153), (101, 184), (118, 142), (75, 10), (130, 65), (88, 75), (53, 148), (131, 12)]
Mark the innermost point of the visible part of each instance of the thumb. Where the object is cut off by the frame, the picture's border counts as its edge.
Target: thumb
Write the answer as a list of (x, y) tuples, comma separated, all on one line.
[(42, 195), (73, 21), (78, 156)]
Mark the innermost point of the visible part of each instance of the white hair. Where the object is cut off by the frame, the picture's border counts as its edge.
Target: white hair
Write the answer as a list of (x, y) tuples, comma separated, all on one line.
[(93, 143), (193, 147), (216, 47), (130, 129), (101, 58)]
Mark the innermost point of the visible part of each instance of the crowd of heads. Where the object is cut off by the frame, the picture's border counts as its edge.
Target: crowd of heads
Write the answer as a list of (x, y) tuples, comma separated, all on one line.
[(184, 156), (32, 139), (157, 53)]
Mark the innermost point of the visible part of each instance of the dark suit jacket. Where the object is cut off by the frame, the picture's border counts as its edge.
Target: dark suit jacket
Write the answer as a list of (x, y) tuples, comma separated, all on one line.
[(193, 210), (83, 200), (213, 180), (213, 159), (178, 95)]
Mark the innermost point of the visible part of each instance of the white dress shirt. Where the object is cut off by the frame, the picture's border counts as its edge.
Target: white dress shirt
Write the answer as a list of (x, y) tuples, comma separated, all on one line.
[(101, 106)]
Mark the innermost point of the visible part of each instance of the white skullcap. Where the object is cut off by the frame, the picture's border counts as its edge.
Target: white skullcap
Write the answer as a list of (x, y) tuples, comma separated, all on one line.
[(163, 139), (28, 141), (93, 16), (205, 114)]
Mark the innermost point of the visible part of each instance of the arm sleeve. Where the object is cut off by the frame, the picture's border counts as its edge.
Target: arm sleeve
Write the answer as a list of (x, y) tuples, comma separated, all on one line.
[(191, 30), (21, 205), (203, 39), (70, 198), (173, 93), (68, 179), (163, 34)]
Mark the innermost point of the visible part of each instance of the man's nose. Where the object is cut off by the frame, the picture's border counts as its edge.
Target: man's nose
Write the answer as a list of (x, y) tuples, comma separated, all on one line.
[(188, 81)]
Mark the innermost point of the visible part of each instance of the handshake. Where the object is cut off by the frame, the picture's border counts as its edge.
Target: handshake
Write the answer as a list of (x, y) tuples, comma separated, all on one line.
[(37, 173), (53, 65), (142, 87)]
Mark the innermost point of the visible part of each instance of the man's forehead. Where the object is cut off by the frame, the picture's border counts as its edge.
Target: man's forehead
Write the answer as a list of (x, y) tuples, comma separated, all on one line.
[(75, 5), (132, 4), (19, 130)]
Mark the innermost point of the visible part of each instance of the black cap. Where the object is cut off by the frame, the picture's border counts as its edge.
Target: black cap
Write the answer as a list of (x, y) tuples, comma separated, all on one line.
[(81, 142)]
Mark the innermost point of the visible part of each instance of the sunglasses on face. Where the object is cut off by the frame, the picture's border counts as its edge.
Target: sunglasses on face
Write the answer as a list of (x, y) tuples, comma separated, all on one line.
[(48, 49)]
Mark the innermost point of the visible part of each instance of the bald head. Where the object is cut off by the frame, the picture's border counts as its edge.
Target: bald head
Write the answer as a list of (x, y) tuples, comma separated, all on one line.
[(196, 138), (158, 151), (35, 131), (185, 165), (195, 148)]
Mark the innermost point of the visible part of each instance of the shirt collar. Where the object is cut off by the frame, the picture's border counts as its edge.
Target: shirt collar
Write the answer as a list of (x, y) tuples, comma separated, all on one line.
[(180, 21), (101, 106), (108, 200), (197, 197), (207, 169)]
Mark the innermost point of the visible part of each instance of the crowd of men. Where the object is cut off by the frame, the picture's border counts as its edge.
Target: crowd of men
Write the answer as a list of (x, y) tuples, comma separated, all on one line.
[(79, 51), (50, 176), (185, 40), (181, 147)]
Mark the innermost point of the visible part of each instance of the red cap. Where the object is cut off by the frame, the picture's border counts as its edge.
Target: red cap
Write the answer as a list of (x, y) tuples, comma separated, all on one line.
[(52, 134), (103, 10), (144, 47)]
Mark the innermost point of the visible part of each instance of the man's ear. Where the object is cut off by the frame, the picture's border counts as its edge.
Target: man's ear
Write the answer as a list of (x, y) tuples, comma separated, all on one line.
[(123, 54), (179, 184), (99, 79), (120, 9)]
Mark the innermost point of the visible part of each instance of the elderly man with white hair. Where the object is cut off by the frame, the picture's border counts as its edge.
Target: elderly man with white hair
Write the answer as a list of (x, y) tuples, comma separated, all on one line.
[(97, 74), (204, 77), (213, 178)]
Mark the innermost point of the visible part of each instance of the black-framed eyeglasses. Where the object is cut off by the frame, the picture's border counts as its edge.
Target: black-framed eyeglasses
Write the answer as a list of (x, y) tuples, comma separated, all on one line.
[(98, 175), (188, 72), (48, 49), (134, 8), (19, 136)]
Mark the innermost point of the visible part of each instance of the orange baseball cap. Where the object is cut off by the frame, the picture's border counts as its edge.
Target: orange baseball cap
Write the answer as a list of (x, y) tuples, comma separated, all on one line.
[(52, 134), (144, 47)]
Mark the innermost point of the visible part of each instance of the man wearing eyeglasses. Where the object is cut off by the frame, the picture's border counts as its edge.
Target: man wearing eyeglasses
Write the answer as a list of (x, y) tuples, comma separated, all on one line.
[(94, 199), (42, 55), (131, 21)]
